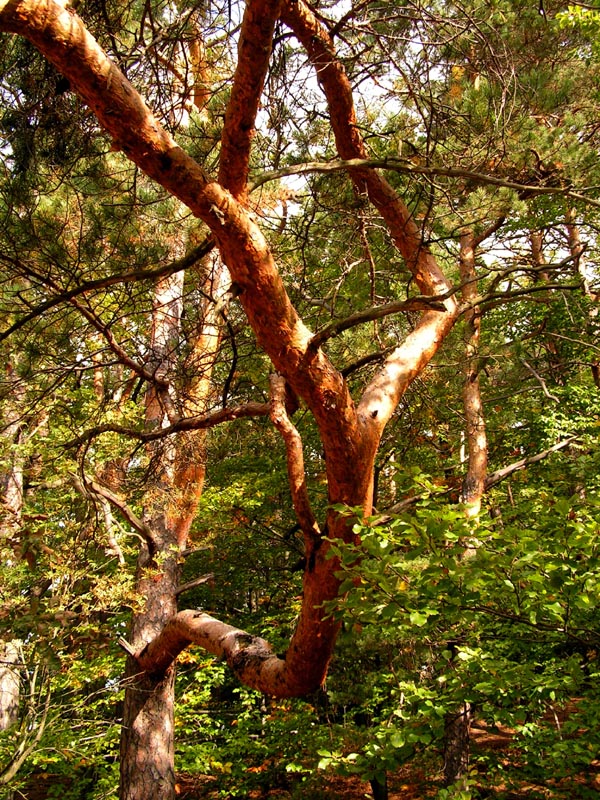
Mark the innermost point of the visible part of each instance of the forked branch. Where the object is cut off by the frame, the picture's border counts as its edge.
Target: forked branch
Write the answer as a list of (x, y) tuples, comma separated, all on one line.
[(91, 487)]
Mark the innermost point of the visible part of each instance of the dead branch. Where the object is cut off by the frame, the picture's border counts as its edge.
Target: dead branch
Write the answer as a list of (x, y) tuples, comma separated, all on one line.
[(422, 303), (408, 167), (505, 472), (201, 422), (192, 584)]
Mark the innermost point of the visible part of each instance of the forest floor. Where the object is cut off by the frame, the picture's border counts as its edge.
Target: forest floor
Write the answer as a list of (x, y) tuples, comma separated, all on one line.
[(416, 781)]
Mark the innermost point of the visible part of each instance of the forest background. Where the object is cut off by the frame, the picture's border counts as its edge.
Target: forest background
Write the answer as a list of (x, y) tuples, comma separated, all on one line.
[(301, 371)]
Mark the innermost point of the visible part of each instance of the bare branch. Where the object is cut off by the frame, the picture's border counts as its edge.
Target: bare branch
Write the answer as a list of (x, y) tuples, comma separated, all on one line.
[(495, 299), (422, 303), (402, 366), (124, 645), (149, 375), (489, 231), (192, 584), (187, 261), (371, 358), (408, 167), (201, 422), (505, 472), (540, 380)]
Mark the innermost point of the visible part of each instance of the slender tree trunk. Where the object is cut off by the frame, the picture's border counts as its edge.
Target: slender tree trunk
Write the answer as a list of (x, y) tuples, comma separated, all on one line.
[(12, 509), (147, 749), (178, 469), (379, 787), (577, 252), (473, 486), (9, 684), (457, 733)]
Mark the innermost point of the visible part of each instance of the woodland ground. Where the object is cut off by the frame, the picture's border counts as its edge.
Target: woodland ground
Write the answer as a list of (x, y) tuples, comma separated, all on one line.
[(417, 782), (412, 782)]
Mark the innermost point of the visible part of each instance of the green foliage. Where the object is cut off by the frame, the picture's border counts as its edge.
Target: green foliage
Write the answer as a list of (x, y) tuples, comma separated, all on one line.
[(240, 738), (503, 615)]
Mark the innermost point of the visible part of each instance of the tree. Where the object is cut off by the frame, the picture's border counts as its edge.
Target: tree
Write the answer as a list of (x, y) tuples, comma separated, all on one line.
[(351, 408)]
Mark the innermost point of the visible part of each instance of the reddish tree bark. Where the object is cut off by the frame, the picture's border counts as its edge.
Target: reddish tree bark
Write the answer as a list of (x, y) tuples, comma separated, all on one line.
[(350, 433)]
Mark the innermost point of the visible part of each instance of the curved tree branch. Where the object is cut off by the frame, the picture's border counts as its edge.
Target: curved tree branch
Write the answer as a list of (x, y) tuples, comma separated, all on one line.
[(422, 303), (84, 287), (295, 463), (251, 658)]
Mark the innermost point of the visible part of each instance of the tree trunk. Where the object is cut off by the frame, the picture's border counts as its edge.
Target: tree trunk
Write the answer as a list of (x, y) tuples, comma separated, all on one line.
[(457, 744), (147, 748), (457, 732), (9, 684), (379, 787), (577, 249), (171, 501), (474, 481), (12, 510), (147, 743)]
